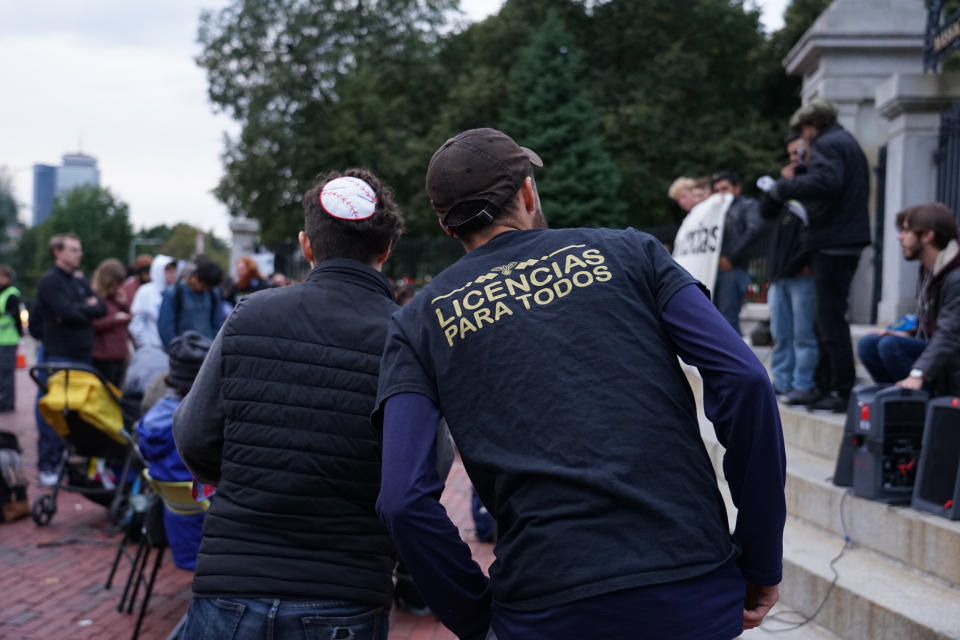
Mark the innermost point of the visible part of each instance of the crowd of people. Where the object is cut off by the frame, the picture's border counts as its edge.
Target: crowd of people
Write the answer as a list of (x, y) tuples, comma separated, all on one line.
[(814, 223), (323, 413), (123, 322)]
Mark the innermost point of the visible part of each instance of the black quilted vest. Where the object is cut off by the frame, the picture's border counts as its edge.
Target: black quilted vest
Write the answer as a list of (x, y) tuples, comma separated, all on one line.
[(293, 517)]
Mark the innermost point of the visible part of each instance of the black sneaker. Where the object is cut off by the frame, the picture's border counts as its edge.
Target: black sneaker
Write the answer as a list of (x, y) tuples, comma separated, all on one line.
[(833, 402), (798, 397)]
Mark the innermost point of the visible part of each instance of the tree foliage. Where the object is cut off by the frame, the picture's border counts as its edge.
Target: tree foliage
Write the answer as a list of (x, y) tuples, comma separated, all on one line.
[(317, 85), (100, 220), (548, 110), (181, 243), (8, 213), (653, 90)]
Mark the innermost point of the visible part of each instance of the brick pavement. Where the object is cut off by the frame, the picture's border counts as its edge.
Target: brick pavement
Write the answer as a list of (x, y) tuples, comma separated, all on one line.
[(51, 578)]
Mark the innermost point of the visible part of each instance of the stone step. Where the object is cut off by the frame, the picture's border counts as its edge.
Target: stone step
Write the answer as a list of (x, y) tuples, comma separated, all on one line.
[(813, 432), (780, 624), (921, 540), (874, 598)]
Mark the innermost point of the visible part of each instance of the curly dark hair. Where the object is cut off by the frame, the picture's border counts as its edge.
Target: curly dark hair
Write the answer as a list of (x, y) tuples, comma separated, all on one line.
[(361, 240)]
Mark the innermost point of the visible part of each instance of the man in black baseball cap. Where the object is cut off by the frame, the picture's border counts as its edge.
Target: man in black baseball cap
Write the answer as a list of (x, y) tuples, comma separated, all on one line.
[(552, 354), (474, 175)]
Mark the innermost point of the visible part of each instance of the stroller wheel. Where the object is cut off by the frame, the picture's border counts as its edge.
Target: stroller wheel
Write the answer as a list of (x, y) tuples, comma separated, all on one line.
[(43, 509)]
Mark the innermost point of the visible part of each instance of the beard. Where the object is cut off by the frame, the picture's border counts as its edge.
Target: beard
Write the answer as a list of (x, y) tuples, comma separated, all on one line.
[(539, 220), (912, 253)]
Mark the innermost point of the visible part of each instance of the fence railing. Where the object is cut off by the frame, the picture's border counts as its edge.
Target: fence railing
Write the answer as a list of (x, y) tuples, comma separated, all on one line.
[(948, 159)]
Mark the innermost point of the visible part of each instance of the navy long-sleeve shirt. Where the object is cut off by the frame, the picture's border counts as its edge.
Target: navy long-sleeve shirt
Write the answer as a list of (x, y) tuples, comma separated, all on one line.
[(738, 399)]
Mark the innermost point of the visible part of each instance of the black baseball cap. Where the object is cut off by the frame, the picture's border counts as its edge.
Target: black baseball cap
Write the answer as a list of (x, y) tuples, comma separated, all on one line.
[(473, 175)]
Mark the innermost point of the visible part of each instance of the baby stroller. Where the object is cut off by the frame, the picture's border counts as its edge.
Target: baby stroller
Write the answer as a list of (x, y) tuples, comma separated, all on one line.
[(100, 459)]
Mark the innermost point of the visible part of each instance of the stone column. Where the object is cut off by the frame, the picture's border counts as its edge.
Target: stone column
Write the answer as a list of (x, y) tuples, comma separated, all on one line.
[(911, 103), (244, 234)]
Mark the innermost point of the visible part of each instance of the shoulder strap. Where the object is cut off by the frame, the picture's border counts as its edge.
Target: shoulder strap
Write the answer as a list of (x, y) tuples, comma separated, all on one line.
[(213, 310), (177, 307)]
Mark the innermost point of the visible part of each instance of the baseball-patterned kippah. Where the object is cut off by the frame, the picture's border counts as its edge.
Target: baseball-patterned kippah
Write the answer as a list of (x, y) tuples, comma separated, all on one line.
[(348, 198)]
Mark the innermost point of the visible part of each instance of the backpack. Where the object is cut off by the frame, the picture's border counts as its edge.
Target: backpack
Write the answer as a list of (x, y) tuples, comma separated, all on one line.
[(13, 483), (178, 307)]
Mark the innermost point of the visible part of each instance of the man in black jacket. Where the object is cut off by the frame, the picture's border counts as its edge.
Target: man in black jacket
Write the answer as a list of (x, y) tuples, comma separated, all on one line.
[(792, 297), (835, 190), (66, 306), (741, 229), (278, 420), (930, 355)]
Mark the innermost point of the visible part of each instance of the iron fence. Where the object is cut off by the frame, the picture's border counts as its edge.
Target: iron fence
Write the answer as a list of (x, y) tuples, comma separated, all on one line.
[(948, 159)]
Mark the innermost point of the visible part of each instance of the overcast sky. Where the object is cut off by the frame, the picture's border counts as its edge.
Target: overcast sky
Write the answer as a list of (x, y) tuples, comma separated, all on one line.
[(116, 79)]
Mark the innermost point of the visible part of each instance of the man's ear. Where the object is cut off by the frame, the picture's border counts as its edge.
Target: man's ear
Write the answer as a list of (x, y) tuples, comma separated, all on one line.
[(528, 194), (386, 254), (927, 237), (446, 229), (305, 247)]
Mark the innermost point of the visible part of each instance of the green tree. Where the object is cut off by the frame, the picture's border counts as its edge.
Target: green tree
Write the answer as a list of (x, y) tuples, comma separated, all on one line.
[(100, 220), (679, 92), (8, 212), (319, 85), (549, 111), (181, 243)]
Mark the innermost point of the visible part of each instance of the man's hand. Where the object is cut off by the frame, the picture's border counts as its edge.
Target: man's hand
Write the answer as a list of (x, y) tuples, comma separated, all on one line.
[(757, 603), (788, 171), (724, 264), (888, 332), (911, 383), (92, 301), (121, 316)]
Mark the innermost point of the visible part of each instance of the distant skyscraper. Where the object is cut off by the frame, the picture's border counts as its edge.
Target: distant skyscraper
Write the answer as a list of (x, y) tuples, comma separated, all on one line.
[(78, 169), (44, 190)]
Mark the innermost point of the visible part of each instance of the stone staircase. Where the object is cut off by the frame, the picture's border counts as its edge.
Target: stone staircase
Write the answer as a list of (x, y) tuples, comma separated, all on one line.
[(897, 576)]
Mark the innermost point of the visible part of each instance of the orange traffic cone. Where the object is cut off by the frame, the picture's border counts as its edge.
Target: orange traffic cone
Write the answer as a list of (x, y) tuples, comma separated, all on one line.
[(21, 357)]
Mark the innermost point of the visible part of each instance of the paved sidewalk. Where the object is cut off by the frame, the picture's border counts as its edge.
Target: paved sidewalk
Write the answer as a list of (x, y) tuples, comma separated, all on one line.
[(52, 578)]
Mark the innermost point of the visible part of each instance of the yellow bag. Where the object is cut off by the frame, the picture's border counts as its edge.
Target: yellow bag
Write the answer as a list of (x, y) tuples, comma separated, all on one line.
[(85, 394)]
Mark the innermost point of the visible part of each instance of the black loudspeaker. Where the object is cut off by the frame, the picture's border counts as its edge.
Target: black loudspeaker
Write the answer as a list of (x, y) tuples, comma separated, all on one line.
[(885, 464), (937, 489), (860, 399)]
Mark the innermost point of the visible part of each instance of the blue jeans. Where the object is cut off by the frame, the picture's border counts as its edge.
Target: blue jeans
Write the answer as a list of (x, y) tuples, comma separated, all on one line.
[(889, 358), (793, 304), (253, 619), (728, 294)]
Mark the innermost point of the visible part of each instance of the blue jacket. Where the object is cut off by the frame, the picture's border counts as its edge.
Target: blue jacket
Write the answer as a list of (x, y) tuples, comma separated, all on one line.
[(194, 313), (155, 439)]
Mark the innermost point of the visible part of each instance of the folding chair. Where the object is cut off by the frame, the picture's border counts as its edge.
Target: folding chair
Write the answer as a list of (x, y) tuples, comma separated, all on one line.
[(175, 496)]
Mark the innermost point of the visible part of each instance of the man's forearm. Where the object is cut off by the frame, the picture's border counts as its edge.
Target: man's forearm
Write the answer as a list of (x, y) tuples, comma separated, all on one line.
[(739, 401), (440, 562)]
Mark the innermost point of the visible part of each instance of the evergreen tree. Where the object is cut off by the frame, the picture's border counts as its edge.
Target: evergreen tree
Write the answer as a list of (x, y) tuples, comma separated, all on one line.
[(549, 111)]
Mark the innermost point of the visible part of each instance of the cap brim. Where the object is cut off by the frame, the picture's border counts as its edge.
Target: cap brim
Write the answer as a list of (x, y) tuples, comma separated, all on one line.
[(534, 158)]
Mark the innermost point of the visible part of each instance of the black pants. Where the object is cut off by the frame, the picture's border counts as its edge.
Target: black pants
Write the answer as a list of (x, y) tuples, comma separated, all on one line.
[(832, 276), (112, 370), (8, 372)]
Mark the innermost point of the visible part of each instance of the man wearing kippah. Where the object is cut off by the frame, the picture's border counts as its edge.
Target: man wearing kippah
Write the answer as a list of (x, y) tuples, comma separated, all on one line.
[(278, 420), (552, 354), (834, 189)]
